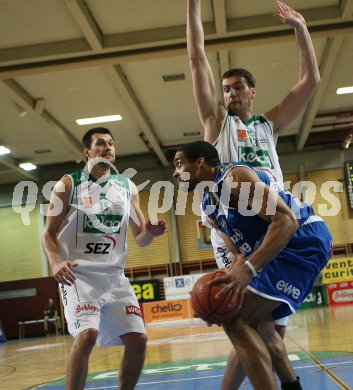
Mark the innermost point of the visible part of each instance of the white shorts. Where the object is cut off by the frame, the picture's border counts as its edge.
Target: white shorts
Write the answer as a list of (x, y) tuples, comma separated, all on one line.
[(102, 301)]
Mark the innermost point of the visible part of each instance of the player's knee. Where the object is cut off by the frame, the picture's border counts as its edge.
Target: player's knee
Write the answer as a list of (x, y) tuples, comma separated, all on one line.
[(267, 331), (136, 342), (86, 339)]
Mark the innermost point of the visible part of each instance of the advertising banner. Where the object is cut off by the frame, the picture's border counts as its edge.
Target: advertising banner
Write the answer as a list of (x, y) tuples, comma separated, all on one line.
[(316, 298), (340, 293), (166, 310), (146, 290), (338, 270), (179, 287)]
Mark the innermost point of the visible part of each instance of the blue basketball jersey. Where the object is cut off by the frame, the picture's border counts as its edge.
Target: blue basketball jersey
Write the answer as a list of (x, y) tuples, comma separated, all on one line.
[(289, 277), (243, 225)]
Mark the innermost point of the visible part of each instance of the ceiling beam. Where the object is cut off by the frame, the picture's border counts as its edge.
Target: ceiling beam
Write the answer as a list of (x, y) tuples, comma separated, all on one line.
[(179, 49), (86, 23), (91, 31), (327, 64), (11, 163), (17, 94), (220, 21), (122, 85), (326, 67)]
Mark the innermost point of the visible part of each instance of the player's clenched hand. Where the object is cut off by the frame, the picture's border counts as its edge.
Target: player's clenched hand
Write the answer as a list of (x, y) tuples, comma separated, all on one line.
[(236, 278), (62, 272), (156, 229)]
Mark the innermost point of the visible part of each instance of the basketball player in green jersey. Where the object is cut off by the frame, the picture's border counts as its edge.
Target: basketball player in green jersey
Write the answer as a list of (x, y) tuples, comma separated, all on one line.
[(85, 241), (231, 126)]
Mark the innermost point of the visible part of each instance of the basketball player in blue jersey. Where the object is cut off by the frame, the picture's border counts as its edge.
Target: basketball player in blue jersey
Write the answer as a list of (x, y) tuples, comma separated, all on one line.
[(85, 241), (231, 126), (280, 247)]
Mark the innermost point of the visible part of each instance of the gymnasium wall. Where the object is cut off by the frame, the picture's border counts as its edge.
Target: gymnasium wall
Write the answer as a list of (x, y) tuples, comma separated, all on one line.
[(21, 255), (18, 308)]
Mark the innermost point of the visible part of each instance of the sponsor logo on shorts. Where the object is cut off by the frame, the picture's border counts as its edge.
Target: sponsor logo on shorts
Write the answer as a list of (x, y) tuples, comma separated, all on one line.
[(63, 294), (288, 289), (86, 308), (131, 309)]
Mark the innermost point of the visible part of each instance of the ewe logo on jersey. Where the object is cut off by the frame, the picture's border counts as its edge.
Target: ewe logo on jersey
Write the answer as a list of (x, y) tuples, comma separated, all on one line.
[(93, 225), (86, 308), (101, 248), (259, 159)]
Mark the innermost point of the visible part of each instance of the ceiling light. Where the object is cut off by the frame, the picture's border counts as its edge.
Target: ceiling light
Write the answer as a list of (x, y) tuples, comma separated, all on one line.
[(28, 166), (343, 90), (99, 119), (4, 150)]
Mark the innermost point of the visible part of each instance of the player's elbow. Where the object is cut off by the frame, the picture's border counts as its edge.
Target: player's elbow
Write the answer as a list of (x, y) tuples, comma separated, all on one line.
[(196, 61), (313, 81), (290, 223)]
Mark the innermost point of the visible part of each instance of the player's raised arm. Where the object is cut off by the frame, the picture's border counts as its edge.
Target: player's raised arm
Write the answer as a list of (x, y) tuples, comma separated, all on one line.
[(209, 106), (309, 76)]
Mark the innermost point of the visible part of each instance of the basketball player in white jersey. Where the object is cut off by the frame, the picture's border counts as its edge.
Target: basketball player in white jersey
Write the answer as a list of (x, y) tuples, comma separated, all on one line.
[(85, 241), (234, 130)]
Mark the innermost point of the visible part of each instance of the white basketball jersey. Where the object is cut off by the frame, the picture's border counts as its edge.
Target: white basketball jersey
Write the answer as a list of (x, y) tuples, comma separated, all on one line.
[(251, 142), (94, 231)]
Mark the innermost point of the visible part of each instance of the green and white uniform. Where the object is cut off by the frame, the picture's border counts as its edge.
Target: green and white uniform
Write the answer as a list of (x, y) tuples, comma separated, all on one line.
[(251, 142), (94, 235)]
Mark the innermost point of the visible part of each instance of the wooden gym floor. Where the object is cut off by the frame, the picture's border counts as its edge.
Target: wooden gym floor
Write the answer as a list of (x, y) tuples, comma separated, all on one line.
[(189, 355)]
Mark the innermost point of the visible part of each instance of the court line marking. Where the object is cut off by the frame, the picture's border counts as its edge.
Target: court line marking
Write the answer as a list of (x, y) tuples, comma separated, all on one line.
[(325, 370), (323, 367)]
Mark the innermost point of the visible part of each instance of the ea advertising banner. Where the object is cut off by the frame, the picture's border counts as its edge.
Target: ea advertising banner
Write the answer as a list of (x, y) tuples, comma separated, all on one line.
[(146, 290), (179, 287)]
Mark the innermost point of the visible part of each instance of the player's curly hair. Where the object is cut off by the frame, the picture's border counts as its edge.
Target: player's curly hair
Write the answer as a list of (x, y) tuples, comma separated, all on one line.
[(194, 150)]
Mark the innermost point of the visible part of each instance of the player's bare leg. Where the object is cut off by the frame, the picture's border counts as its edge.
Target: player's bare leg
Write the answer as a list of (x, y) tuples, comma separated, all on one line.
[(77, 365), (133, 359), (243, 334)]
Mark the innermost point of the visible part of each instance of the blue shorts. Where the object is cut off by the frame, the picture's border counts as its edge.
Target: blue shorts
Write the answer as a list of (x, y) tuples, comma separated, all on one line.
[(290, 276)]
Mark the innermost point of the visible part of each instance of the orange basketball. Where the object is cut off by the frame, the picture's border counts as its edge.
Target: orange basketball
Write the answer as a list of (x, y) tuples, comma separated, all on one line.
[(206, 306)]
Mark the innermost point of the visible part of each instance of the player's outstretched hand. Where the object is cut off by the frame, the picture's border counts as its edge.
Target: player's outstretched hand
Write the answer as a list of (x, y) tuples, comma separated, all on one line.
[(288, 15), (156, 228)]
